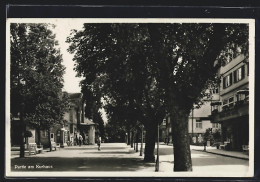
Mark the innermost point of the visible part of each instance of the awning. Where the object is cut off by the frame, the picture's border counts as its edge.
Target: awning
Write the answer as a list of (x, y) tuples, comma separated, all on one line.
[(243, 92), (216, 103)]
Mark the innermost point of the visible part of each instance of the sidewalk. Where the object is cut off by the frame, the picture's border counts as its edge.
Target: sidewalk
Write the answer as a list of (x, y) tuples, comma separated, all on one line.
[(214, 150), (119, 157), (16, 153)]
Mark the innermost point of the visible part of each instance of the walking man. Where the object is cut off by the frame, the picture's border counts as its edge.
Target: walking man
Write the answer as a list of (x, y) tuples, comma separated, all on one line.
[(99, 142)]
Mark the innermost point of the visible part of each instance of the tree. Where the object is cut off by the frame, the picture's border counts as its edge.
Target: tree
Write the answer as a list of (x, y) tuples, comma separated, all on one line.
[(114, 132), (92, 111), (186, 56), (156, 68), (36, 76), (121, 80), (217, 136), (207, 136)]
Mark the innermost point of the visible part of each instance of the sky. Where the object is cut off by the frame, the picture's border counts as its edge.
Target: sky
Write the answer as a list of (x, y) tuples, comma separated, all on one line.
[(62, 31)]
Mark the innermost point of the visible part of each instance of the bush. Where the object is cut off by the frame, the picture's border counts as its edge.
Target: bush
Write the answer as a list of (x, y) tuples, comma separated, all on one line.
[(217, 136), (28, 134)]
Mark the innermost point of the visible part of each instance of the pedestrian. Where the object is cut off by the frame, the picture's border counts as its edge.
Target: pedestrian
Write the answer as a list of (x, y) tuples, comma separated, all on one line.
[(83, 139), (77, 140), (80, 140), (205, 144), (87, 140), (99, 143)]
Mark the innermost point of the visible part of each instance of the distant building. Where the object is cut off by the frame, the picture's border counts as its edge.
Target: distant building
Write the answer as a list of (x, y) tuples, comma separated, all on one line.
[(233, 109), (165, 130), (78, 124), (199, 122), (163, 135), (75, 124)]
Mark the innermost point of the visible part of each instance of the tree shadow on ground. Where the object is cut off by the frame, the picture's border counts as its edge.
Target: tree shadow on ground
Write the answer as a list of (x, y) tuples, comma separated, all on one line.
[(164, 151), (94, 148), (110, 152)]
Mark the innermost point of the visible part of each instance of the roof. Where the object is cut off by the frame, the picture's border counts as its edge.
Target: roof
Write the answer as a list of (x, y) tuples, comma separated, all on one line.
[(88, 122)]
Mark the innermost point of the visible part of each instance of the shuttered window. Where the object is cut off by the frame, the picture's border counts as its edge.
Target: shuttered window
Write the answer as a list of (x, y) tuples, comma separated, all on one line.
[(239, 74), (227, 81)]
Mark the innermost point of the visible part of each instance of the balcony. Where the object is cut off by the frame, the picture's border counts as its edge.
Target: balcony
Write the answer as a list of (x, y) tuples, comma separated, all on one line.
[(241, 108)]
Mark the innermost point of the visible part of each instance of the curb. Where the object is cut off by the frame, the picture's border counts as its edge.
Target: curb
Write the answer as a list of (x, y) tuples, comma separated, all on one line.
[(225, 155)]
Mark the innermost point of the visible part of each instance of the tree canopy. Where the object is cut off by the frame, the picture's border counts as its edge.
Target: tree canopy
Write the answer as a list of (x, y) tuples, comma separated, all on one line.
[(36, 75), (154, 69)]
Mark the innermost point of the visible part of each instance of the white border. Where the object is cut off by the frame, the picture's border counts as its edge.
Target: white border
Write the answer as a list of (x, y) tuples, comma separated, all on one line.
[(250, 173)]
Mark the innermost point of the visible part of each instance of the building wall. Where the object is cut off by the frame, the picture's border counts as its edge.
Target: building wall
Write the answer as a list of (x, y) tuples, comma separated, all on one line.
[(234, 117), (199, 121), (165, 131), (204, 123), (230, 68), (203, 111), (60, 133)]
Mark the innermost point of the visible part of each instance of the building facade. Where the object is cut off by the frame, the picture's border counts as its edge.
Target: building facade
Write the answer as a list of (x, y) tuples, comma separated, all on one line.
[(66, 133), (233, 109), (200, 121)]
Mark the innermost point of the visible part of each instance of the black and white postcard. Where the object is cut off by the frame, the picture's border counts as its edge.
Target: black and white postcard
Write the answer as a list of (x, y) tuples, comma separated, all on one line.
[(130, 97)]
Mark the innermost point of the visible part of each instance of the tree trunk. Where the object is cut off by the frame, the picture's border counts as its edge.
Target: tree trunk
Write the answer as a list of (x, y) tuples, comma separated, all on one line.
[(49, 138), (181, 141), (150, 143), (132, 139), (136, 141), (22, 136), (128, 137), (22, 148), (38, 131)]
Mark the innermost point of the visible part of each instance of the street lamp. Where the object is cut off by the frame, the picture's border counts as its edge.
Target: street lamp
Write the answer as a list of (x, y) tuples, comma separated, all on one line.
[(157, 159), (126, 139)]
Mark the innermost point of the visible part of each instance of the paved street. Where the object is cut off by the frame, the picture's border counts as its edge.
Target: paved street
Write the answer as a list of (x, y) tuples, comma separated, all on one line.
[(115, 157)]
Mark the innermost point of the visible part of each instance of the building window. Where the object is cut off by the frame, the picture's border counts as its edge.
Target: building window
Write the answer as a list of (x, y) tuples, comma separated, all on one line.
[(44, 134), (164, 122), (198, 124), (225, 102), (231, 101), (71, 128), (215, 125), (214, 91), (239, 74), (239, 97), (227, 81), (228, 102), (168, 120)]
